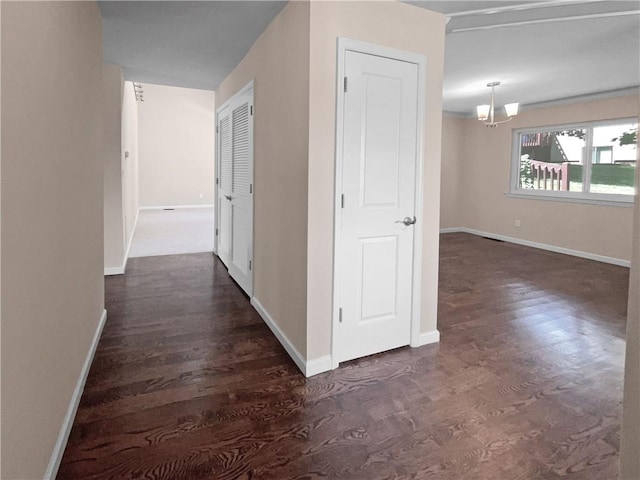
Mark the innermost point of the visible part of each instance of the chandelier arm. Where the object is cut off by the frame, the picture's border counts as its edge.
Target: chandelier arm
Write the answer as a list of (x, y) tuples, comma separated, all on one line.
[(493, 124)]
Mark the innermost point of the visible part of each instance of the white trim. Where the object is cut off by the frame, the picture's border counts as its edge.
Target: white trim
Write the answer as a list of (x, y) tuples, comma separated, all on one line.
[(344, 44), (548, 196), (293, 352), (121, 269), (542, 246), (416, 307), (318, 365), (133, 231), (114, 270), (587, 97), (216, 185), (243, 90), (175, 207), (583, 98), (518, 7), (67, 423), (584, 196), (428, 337), (547, 20), (308, 368), (216, 176), (451, 230), (575, 125)]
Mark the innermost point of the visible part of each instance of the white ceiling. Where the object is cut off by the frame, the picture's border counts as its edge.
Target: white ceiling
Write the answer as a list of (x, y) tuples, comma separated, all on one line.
[(182, 43), (540, 50)]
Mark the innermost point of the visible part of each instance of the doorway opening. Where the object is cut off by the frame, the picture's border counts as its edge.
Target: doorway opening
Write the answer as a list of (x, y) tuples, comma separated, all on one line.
[(177, 171)]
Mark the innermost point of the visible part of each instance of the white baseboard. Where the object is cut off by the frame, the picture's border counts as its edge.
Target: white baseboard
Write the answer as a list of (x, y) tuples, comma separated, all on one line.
[(130, 241), (319, 365), (63, 436), (308, 368), (114, 270), (452, 230), (428, 337), (293, 352), (542, 246), (175, 207), (121, 269)]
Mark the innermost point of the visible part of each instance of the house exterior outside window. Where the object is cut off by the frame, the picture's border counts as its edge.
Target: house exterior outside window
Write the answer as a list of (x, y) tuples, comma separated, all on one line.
[(591, 162)]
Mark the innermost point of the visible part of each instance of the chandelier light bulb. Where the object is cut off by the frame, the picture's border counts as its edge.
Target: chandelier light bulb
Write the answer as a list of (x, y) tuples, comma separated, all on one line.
[(511, 109), (483, 112)]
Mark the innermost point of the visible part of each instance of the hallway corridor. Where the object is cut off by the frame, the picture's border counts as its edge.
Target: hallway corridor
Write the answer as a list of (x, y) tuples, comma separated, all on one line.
[(188, 382), (173, 232)]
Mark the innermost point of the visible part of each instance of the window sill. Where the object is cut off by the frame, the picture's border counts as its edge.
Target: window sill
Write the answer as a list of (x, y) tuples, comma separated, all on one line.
[(624, 201)]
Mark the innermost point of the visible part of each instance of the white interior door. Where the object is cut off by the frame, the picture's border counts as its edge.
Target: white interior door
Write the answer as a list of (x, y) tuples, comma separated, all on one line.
[(235, 188), (376, 233)]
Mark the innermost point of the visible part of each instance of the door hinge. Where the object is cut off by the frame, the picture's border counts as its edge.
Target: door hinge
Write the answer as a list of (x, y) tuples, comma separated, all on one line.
[(251, 188), (217, 129), (216, 181), (251, 110), (345, 84), (340, 314), (216, 232), (249, 264), (342, 201)]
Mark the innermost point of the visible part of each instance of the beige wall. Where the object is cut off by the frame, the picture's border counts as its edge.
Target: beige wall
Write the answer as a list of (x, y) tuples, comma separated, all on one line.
[(390, 24), (130, 162), (176, 146), (52, 238), (483, 171), (630, 437), (451, 197), (279, 64), (1, 449), (112, 95), (295, 96)]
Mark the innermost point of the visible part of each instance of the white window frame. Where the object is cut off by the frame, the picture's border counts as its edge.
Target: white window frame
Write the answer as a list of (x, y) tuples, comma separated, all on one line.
[(558, 196)]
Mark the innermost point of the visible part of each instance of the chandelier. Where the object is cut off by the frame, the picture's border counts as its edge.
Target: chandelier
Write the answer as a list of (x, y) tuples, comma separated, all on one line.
[(486, 113)]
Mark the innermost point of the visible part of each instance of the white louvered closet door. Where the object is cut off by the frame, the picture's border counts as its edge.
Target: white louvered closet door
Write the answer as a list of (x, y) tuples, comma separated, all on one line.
[(224, 185), (236, 189)]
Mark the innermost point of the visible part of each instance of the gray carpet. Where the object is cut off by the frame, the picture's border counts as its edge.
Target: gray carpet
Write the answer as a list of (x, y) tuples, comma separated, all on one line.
[(171, 232)]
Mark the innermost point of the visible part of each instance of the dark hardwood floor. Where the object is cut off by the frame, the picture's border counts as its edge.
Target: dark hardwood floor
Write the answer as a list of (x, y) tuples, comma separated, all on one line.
[(526, 383)]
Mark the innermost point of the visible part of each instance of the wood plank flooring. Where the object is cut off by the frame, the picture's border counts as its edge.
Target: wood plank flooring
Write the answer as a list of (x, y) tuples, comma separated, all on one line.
[(526, 383)]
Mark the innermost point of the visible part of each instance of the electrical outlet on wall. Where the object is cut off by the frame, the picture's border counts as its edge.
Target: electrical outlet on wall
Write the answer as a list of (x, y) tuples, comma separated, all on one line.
[(202, 195), (517, 223)]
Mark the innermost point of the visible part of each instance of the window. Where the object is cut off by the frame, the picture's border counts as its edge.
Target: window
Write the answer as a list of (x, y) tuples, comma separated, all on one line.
[(592, 162)]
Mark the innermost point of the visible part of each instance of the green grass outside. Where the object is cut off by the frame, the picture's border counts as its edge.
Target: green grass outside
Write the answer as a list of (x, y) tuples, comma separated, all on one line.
[(622, 175)]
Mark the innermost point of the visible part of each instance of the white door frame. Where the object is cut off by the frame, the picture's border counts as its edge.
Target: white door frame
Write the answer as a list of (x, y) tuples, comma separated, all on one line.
[(242, 91), (344, 45)]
